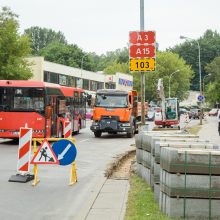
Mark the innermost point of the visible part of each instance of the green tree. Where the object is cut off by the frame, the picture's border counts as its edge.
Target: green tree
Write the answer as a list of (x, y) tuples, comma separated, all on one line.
[(117, 67), (112, 60), (212, 89), (41, 37), (13, 48), (209, 48), (66, 54), (166, 64)]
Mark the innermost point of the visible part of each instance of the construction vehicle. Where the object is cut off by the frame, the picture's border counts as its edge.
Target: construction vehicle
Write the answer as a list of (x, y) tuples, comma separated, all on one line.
[(116, 111), (167, 116)]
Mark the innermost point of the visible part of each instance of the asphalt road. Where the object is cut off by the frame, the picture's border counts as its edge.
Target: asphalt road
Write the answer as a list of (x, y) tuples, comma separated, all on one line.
[(53, 198)]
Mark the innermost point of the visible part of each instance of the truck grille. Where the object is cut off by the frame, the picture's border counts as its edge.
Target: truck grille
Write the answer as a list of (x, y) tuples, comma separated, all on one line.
[(116, 118), (109, 123)]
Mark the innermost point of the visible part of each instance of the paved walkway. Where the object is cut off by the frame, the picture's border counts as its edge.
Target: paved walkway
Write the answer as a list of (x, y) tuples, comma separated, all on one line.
[(107, 201), (111, 201), (209, 131)]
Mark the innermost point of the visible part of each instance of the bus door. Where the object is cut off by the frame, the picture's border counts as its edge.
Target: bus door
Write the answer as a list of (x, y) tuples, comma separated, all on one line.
[(53, 100)]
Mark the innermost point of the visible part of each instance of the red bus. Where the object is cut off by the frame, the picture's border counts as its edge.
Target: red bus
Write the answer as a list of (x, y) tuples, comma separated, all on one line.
[(42, 106)]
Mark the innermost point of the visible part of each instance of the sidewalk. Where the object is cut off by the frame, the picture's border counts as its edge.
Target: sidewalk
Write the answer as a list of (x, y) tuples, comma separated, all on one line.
[(107, 202), (209, 131)]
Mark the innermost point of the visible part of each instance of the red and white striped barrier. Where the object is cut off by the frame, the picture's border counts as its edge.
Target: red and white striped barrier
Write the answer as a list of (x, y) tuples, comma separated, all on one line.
[(67, 129), (24, 150)]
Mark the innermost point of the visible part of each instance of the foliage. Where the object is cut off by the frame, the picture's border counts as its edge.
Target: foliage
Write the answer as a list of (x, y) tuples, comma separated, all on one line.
[(13, 48), (212, 92), (113, 61), (42, 37), (66, 54), (209, 47), (166, 64), (117, 67), (141, 203)]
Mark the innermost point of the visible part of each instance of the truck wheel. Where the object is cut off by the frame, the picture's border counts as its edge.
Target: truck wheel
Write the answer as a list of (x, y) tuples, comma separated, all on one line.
[(131, 133), (97, 133)]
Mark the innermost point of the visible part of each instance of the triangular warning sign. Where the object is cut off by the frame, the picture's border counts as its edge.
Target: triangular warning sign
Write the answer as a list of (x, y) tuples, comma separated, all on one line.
[(45, 155)]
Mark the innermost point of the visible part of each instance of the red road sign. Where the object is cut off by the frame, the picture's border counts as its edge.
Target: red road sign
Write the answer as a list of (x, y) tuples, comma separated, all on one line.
[(142, 37), (142, 51)]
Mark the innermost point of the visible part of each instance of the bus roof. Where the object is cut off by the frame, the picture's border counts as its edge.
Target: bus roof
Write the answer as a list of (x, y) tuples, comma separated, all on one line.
[(67, 91)]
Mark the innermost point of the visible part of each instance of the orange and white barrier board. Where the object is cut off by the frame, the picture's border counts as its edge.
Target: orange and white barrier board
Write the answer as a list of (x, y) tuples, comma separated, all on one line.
[(67, 129), (24, 150)]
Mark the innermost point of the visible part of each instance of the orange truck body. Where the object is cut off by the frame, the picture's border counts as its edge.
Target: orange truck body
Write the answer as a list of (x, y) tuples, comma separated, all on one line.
[(121, 116)]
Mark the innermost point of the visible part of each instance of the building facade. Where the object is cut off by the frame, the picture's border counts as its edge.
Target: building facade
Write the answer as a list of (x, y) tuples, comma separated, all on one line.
[(74, 77)]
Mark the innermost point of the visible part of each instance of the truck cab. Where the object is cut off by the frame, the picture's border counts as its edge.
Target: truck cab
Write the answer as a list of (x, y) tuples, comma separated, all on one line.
[(115, 111)]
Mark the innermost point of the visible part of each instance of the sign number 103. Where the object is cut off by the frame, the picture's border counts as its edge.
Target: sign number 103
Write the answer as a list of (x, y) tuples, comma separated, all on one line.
[(142, 64)]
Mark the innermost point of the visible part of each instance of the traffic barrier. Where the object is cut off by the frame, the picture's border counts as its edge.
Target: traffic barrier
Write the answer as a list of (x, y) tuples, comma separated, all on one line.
[(24, 151), (55, 156), (67, 129)]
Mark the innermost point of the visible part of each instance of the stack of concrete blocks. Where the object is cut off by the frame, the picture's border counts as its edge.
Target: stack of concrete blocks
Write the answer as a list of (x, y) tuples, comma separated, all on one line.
[(155, 163), (175, 143), (147, 146), (190, 183), (143, 152)]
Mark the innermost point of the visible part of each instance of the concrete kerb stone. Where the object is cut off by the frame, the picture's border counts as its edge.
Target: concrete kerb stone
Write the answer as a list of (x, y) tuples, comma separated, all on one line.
[(189, 208), (193, 145)]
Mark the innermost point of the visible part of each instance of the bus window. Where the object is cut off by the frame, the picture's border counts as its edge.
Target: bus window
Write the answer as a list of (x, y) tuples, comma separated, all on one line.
[(28, 99)]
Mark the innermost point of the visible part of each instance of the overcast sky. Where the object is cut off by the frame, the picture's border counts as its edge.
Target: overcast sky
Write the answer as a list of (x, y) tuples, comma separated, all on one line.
[(103, 25)]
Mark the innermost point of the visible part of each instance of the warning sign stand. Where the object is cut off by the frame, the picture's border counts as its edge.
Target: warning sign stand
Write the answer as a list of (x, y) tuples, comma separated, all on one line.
[(73, 176), (45, 155), (24, 150)]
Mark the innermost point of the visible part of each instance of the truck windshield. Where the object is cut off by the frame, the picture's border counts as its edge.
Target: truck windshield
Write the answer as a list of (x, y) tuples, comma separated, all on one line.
[(112, 101), (21, 99)]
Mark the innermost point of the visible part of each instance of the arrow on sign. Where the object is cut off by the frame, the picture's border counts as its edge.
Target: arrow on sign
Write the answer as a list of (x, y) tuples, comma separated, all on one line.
[(61, 156)]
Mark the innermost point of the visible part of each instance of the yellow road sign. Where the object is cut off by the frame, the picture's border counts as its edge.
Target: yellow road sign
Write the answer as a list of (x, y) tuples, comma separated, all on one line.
[(147, 64)]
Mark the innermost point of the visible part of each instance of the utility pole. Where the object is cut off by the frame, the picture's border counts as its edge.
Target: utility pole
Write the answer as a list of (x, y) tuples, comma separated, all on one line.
[(142, 73)]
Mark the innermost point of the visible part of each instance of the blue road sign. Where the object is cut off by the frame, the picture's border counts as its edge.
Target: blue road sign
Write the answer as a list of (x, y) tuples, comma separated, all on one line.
[(200, 98), (65, 151)]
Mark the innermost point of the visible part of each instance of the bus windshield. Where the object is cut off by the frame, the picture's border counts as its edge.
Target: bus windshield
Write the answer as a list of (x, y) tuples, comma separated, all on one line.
[(21, 99), (113, 101)]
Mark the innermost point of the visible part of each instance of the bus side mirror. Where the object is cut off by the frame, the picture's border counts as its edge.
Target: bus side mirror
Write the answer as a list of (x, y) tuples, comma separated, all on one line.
[(48, 112)]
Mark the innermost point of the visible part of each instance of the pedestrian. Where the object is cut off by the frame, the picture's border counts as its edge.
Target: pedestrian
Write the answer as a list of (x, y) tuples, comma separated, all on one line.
[(219, 122)]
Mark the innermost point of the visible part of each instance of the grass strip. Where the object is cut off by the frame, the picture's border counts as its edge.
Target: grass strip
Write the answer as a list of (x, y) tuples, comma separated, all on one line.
[(194, 129), (141, 204)]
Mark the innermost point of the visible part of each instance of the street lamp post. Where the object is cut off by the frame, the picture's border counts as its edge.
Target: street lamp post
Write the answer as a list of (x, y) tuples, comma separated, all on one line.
[(200, 74), (82, 68), (170, 79), (204, 82)]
